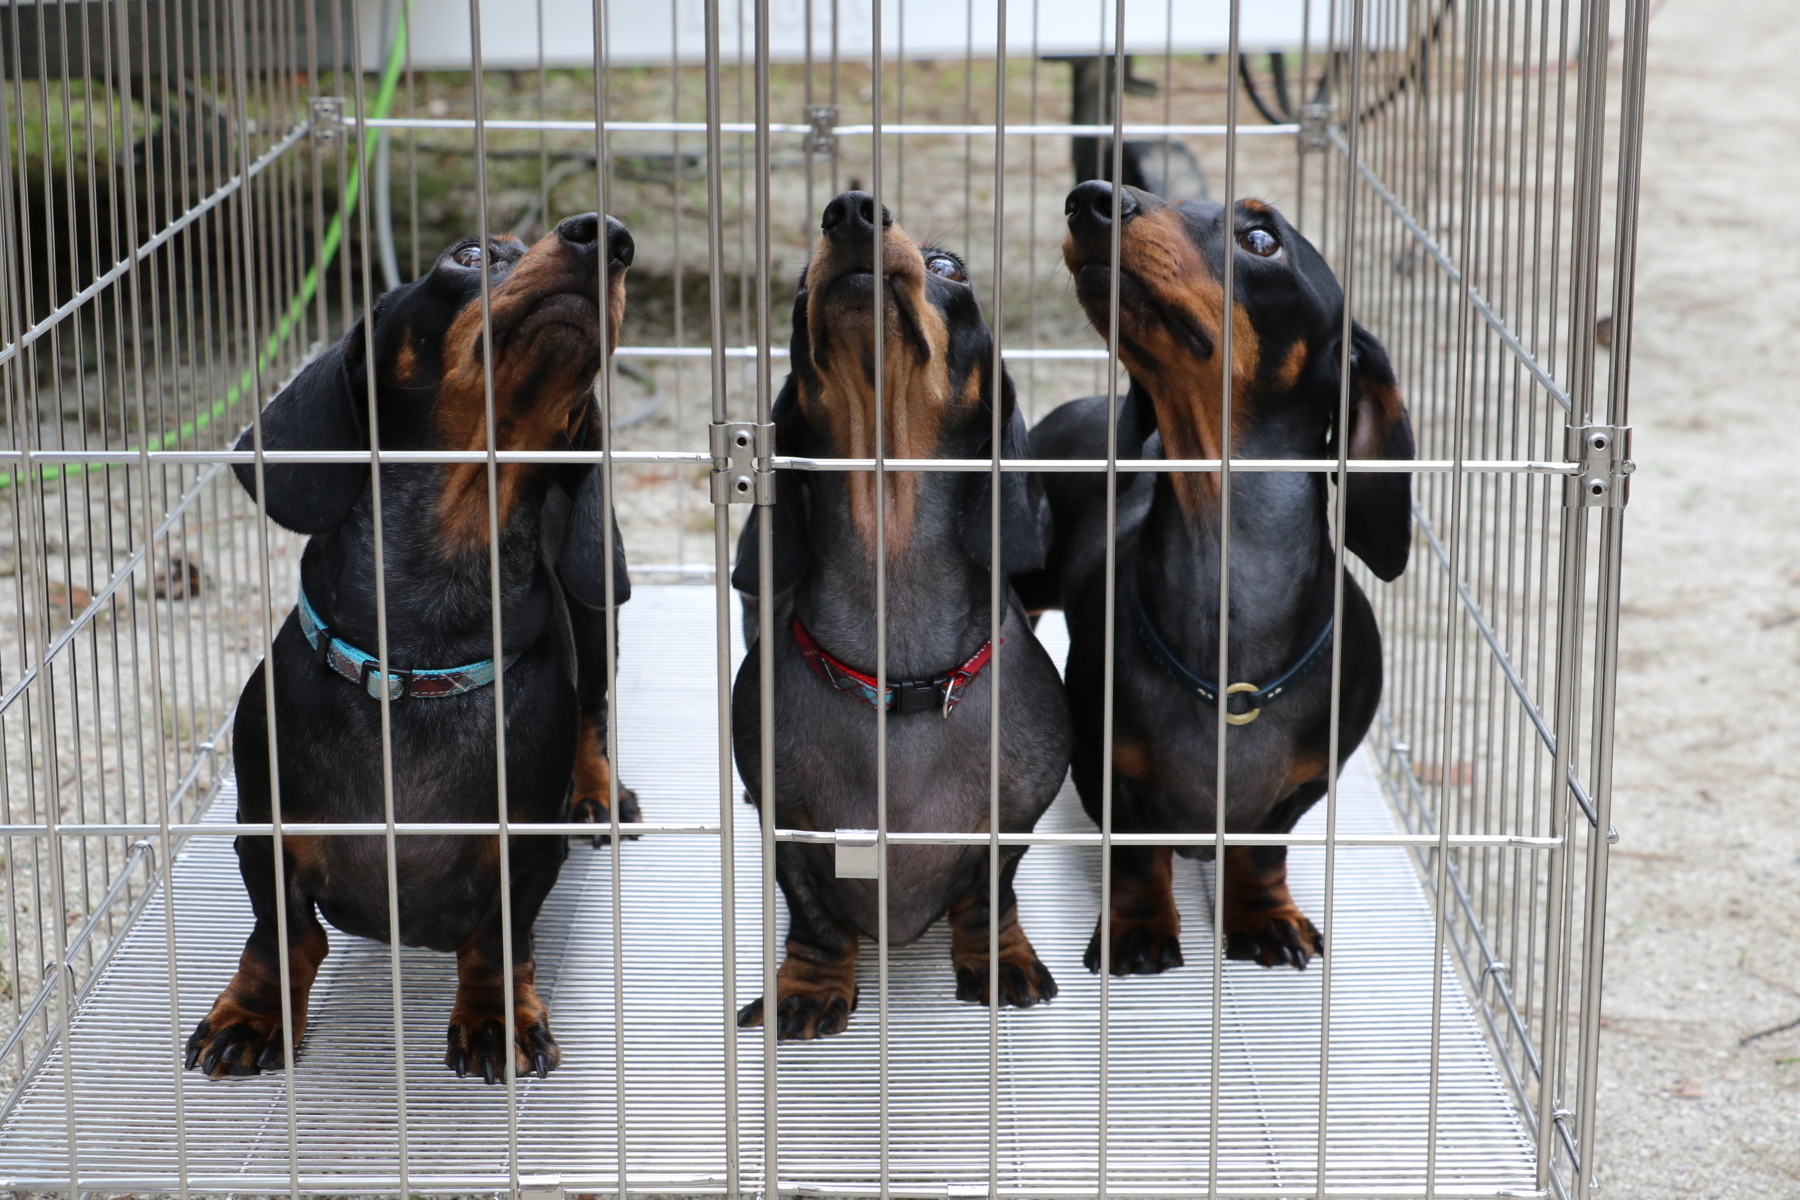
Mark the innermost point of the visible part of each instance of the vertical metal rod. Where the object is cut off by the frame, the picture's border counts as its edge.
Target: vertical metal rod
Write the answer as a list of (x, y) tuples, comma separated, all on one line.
[(1606, 633), (608, 493), (806, 93), (765, 543), (1347, 284), (264, 608), (166, 841), (390, 847), (1222, 780), (1584, 253), (545, 222), (1467, 248), (36, 572), (496, 633), (881, 518), (998, 594), (1112, 587), (678, 368), (715, 263)]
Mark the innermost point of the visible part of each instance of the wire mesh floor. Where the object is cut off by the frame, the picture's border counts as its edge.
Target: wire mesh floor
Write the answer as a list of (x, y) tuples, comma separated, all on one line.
[(235, 1135)]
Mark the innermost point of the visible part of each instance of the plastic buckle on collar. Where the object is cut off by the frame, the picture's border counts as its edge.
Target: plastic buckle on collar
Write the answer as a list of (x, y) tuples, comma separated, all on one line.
[(322, 648), (915, 696), (405, 677), (1245, 718)]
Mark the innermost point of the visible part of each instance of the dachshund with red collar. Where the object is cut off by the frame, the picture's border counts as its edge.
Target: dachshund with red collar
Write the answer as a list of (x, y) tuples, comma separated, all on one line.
[(431, 393), (1286, 359), (939, 391)]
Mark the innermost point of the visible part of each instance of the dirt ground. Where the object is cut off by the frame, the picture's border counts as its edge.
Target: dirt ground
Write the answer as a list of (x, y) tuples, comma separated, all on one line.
[(1705, 896)]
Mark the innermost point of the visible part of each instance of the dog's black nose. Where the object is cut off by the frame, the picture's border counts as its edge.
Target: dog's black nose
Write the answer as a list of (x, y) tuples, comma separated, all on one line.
[(1090, 206), (580, 231), (851, 218), (620, 249)]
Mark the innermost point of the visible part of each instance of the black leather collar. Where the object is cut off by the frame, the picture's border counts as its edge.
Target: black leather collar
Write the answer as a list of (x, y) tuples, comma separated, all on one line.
[(1254, 699)]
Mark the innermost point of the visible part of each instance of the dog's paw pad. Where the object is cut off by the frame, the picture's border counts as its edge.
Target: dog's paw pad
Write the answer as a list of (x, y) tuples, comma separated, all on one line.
[(1275, 940), (477, 1046), (595, 810), (232, 1040), (1138, 948)]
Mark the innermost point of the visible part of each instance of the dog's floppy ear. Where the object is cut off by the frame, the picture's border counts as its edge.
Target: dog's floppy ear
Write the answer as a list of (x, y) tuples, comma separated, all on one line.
[(323, 408), (787, 519), (1377, 508), (583, 550), (1024, 509)]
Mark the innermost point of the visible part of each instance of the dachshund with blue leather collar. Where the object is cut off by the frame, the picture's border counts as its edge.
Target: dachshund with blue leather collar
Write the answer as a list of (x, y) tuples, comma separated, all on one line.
[(1286, 368), (546, 305)]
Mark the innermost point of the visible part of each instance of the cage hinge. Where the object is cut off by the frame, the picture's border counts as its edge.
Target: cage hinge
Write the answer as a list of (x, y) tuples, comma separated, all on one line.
[(858, 855), (822, 119), (1604, 454), (327, 115), (742, 472), (539, 1187), (1314, 118)]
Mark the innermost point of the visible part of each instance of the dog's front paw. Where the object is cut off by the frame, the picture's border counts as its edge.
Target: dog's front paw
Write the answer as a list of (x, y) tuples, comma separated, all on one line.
[(234, 1040), (816, 999), (1138, 948), (478, 1043), (594, 808), (1024, 981), (1281, 938)]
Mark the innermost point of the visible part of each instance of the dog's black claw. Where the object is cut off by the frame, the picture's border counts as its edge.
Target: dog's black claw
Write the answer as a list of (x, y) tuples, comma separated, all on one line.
[(271, 1057), (833, 1019), (751, 1014), (540, 1063), (195, 1043), (599, 840), (487, 1068), (459, 1062)]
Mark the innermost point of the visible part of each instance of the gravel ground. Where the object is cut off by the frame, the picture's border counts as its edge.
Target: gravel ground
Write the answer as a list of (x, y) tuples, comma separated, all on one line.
[(1705, 890)]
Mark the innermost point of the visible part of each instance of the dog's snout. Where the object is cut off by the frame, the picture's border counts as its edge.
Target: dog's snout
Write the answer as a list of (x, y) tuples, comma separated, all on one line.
[(851, 217), (1089, 208), (620, 248)]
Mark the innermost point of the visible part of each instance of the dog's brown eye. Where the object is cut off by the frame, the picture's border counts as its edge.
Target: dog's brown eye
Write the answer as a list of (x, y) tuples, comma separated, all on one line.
[(943, 264), (1259, 242), (469, 256)]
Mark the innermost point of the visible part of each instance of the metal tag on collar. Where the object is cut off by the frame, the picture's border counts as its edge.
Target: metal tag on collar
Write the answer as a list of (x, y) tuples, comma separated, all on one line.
[(388, 678), (1232, 718)]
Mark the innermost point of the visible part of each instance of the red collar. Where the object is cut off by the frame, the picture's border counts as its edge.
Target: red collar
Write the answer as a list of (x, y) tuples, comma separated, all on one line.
[(903, 696)]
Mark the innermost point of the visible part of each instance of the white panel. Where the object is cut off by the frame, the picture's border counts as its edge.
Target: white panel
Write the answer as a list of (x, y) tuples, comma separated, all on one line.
[(641, 31)]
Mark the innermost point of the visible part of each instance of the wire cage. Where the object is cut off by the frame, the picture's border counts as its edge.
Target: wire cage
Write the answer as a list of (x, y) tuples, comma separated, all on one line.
[(199, 197)]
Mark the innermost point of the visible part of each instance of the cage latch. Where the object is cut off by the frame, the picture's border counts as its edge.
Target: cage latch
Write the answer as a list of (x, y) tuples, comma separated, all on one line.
[(1604, 454), (539, 1187), (742, 470), (858, 855), (822, 119), (1314, 118), (327, 113)]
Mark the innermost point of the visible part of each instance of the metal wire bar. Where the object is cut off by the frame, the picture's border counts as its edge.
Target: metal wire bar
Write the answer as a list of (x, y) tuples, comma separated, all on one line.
[(526, 124), (791, 462)]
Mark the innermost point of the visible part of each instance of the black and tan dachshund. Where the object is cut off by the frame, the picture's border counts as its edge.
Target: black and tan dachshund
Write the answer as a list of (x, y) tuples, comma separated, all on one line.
[(1286, 351), (938, 391), (431, 395)]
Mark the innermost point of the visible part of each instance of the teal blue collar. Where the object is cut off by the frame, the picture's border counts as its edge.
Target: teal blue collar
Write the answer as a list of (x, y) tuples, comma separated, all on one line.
[(366, 671)]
